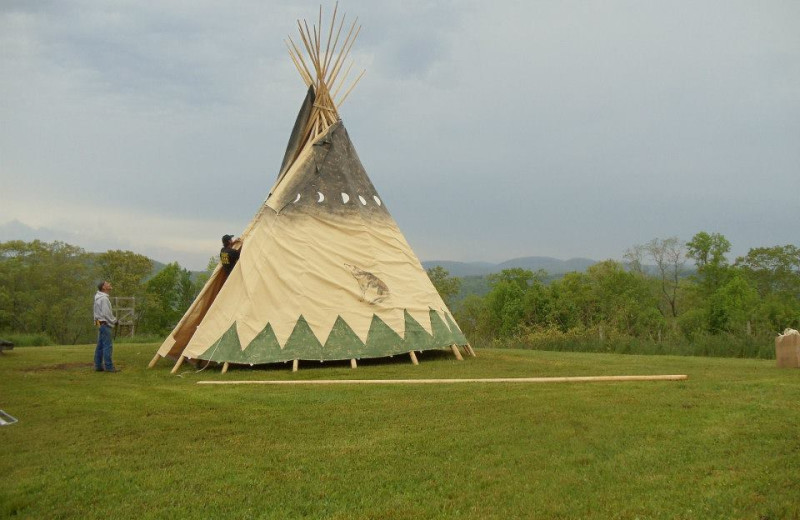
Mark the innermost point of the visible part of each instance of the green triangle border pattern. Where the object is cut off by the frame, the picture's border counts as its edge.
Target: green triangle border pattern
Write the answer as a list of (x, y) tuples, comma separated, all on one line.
[(342, 342)]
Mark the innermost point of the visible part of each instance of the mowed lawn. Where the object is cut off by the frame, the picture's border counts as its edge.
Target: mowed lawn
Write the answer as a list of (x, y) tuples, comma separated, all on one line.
[(147, 444)]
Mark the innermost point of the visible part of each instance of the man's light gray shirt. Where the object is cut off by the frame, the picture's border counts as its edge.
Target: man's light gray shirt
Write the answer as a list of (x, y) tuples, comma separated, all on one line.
[(102, 308)]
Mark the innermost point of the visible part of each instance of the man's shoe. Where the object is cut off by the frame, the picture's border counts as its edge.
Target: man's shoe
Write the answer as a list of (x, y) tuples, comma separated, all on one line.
[(113, 370), (99, 370)]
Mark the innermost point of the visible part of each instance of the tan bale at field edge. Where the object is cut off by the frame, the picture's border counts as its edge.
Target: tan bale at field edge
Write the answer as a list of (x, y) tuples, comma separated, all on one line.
[(787, 349)]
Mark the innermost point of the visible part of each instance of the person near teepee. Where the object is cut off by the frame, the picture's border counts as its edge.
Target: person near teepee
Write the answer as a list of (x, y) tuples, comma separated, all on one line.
[(105, 321), (228, 256)]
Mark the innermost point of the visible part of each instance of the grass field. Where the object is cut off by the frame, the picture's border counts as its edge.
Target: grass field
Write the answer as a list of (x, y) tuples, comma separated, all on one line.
[(147, 444)]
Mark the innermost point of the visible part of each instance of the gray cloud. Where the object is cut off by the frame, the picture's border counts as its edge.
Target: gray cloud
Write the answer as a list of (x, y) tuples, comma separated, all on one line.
[(490, 130)]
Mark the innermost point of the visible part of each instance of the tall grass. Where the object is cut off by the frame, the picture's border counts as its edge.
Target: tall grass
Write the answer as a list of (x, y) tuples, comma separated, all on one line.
[(27, 340), (595, 341), (41, 339)]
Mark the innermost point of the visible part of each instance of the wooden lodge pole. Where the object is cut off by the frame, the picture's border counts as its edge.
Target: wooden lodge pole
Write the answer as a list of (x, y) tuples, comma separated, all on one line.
[(413, 358), (471, 352), (353, 363), (225, 367), (295, 365), (178, 364), (154, 360), (454, 348)]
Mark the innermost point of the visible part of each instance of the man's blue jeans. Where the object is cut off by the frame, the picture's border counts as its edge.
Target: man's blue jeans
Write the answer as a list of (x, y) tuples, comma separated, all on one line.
[(102, 354)]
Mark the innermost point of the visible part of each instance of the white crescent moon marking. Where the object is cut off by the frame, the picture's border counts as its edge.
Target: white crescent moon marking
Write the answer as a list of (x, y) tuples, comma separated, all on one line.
[(363, 202), (321, 196), (377, 200), (295, 200), (345, 198)]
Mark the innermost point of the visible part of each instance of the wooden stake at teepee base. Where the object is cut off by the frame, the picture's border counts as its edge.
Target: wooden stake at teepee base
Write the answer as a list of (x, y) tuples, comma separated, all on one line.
[(295, 365), (177, 365), (154, 360), (225, 367), (353, 363), (454, 348), (413, 358), (469, 349)]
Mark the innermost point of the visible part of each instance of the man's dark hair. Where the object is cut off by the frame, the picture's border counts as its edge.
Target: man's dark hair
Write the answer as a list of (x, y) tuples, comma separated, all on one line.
[(100, 285)]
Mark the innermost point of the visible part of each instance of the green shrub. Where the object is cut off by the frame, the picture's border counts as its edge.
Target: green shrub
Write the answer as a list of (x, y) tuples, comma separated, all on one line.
[(28, 340), (141, 338)]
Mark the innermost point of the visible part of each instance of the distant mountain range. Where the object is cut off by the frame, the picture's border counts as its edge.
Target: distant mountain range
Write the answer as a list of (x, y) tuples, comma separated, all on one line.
[(553, 266), (16, 230)]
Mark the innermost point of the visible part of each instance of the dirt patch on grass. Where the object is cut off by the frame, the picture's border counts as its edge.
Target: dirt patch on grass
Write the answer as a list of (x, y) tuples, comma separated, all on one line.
[(61, 366)]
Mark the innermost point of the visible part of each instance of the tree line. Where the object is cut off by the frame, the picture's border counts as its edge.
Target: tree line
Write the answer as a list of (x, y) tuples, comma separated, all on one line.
[(650, 303), (47, 289)]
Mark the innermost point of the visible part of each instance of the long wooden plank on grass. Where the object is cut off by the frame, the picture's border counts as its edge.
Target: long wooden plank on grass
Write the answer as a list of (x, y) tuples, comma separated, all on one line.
[(580, 379)]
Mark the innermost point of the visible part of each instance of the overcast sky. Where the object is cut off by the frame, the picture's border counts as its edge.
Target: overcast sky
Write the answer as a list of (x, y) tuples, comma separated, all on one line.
[(491, 130)]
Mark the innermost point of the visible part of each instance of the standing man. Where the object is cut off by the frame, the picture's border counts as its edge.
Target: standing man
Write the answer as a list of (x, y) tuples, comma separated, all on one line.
[(228, 256), (103, 318)]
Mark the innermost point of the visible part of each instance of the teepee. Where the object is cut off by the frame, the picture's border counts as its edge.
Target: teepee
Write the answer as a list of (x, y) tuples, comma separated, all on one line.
[(324, 272)]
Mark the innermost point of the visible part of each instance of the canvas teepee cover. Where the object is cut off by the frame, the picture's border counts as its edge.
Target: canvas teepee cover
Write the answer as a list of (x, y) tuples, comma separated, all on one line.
[(324, 273)]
